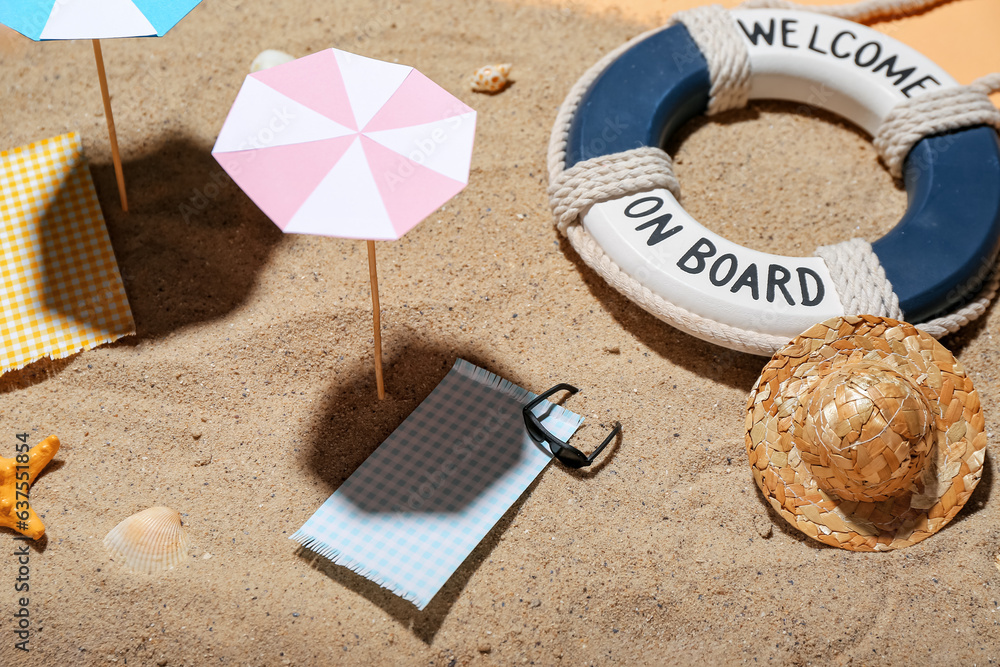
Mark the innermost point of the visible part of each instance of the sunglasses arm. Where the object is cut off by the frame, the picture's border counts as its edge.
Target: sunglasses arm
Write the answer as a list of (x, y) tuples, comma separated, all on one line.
[(611, 436)]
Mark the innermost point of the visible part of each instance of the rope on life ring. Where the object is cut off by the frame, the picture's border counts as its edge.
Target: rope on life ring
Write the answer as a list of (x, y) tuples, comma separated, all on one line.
[(856, 270)]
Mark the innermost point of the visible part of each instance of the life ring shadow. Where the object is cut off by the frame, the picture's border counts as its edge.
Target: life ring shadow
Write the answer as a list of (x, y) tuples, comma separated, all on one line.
[(732, 368)]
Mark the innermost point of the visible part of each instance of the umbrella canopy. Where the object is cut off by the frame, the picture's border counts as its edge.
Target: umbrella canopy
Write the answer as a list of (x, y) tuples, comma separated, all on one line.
[(338, 144), (93, 19), (341, 145)]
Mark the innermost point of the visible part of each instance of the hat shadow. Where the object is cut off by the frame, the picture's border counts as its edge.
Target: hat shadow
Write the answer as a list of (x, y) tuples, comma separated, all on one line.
[(980, 495), (782, 526)]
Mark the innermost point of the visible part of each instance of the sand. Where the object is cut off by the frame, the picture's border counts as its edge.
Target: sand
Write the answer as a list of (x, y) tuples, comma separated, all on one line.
[(247, 395)]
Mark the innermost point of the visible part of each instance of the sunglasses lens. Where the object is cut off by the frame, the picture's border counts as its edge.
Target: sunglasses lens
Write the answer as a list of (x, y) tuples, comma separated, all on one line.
[(571, 458), (533, 431)]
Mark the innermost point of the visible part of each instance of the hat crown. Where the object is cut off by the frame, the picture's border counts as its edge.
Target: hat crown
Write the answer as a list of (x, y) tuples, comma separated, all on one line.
[(871, 429)]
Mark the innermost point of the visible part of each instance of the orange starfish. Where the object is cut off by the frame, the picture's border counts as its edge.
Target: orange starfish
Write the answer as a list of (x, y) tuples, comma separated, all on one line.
[(16, 475)]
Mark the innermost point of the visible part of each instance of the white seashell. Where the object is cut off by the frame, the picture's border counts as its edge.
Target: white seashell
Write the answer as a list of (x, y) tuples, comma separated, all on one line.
[(269, 58), (491, 78), (149, 541)]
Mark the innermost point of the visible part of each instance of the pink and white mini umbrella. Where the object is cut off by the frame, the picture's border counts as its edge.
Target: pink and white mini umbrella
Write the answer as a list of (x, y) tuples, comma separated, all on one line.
[(341, 145)]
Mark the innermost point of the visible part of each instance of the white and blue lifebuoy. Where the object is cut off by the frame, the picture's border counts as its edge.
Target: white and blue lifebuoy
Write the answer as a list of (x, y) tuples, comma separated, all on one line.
[(933, 257)]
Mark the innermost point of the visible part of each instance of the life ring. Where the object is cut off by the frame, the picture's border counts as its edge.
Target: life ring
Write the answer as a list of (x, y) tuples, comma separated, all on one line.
[(934, 257)]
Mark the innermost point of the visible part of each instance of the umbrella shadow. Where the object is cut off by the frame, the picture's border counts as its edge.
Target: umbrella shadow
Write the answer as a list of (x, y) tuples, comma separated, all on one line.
[(352, 423), (77, 279), (192, 244), (188, 251)]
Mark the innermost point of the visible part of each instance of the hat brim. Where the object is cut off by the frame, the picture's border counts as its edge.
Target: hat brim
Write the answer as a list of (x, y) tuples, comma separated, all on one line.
[(776, 408)]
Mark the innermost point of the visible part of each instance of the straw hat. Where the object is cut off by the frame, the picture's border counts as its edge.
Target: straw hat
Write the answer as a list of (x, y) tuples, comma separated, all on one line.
[(865, 433)]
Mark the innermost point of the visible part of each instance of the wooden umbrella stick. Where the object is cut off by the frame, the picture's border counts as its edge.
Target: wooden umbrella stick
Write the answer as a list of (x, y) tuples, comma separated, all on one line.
[(373, 275), (112, 135)]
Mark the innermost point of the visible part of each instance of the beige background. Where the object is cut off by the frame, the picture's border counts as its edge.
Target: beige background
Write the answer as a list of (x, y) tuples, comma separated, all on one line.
[(254, 349)]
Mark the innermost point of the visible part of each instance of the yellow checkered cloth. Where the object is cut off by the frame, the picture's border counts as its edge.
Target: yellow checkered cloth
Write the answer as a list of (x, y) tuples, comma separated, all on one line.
[(60, 290)]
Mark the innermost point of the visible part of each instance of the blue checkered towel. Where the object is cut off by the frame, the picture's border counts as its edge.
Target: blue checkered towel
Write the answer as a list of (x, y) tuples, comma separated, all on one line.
[(413, 511)]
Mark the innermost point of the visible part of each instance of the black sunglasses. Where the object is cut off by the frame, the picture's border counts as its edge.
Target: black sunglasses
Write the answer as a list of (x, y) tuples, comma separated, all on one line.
[(567, 454)]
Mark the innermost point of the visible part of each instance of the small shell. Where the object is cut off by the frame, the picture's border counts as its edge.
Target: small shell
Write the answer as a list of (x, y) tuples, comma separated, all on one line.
[(491, 79), (149, 541), (269, 58)]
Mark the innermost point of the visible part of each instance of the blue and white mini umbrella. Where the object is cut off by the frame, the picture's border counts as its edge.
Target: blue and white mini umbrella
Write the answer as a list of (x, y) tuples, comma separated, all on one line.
[(95, 20)]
